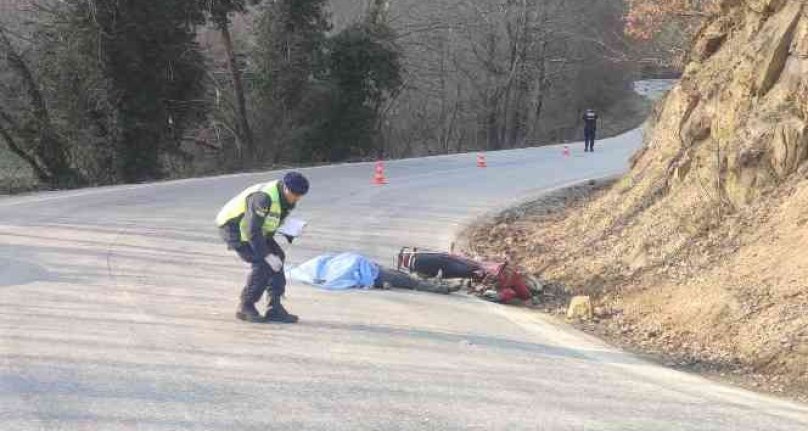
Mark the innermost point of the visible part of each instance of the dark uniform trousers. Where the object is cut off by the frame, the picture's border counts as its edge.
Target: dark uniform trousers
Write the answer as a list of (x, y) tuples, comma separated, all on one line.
[(261, 275), (589, 137)]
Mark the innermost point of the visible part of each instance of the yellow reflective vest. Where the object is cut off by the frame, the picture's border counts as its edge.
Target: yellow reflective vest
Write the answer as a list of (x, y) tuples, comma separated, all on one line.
[(236, 207)]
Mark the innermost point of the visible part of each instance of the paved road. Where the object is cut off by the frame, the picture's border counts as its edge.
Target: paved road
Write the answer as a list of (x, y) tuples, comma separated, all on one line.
[(116, 313)]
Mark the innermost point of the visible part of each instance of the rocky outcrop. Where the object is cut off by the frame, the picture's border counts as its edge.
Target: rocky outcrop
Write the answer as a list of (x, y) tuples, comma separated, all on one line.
[(714, 191), (698, 242), (580, 308), (741, 103)]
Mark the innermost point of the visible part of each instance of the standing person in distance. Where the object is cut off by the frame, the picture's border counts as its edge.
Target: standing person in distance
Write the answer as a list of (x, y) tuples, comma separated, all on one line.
[(590, 129)]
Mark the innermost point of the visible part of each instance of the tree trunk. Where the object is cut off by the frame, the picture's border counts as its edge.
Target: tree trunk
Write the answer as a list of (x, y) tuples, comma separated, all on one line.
[(493, 127), (50, 150), (235, 75), (16, 149)]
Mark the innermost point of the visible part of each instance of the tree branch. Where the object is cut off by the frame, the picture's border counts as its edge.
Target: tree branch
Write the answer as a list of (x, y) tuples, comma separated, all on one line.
[(15, 148), (17, 63)]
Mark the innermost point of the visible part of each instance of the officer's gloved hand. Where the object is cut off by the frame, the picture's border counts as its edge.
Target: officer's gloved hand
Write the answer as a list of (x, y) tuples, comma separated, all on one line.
[(274, 262), (289, 238)]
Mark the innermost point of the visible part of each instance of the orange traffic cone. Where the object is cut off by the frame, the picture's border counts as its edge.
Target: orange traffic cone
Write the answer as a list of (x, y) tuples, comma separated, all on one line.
[(566, 151), (378, 177), (481, 160)]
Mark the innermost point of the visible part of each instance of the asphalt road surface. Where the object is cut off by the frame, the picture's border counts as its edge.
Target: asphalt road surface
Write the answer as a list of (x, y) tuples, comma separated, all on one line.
[(117, 313)]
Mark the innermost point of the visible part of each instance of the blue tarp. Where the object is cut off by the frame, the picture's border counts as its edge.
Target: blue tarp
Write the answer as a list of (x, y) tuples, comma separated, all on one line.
[(337, 271)]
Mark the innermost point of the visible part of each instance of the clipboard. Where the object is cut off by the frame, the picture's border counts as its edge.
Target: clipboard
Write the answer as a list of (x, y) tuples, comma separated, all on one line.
[(292, 227)]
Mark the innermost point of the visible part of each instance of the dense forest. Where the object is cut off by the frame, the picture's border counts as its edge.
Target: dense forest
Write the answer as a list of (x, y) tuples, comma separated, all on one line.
[(110, 91)]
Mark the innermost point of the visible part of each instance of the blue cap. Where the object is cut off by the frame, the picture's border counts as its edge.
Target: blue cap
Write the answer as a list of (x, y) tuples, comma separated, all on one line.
[(296, 183)]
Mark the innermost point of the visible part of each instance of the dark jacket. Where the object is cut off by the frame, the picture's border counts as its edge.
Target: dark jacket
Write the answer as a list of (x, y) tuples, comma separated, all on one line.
[(590, 121), (258, 205)]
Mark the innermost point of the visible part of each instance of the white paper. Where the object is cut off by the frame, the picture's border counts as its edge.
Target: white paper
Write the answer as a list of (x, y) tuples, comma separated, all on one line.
[(292, 227)]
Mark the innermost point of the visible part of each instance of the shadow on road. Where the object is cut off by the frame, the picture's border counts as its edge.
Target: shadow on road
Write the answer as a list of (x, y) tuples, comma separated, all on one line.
[(478, 340)]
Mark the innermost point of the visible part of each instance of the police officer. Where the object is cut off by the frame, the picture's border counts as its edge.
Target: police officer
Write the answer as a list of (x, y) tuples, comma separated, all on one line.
[(247, 224), (590, 128)]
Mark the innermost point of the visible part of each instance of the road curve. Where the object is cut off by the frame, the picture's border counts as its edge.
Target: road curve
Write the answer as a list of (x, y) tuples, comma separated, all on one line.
[(117, 314)]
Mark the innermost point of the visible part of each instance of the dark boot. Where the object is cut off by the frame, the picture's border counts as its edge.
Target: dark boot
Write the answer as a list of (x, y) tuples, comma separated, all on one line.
[(252, 292), (277, 313), (247, 312)]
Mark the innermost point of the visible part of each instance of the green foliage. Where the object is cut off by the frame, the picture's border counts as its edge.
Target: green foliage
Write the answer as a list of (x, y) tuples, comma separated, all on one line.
[(141, 71), (321, 97), (287, 66), (362, 68), (26, 123), (105, 90), (152, 67), (364, 64), (291, 36), (220, 10), (125, 93)]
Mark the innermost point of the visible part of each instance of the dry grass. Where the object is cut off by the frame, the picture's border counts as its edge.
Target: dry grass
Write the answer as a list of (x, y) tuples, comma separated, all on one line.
[(730, 300)]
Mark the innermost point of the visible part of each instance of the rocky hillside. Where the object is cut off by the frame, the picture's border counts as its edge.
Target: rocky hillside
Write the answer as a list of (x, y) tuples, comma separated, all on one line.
[(702, 249)]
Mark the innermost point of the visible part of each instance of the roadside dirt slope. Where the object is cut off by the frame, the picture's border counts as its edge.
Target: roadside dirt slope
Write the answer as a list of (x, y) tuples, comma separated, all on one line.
[(701, 251)]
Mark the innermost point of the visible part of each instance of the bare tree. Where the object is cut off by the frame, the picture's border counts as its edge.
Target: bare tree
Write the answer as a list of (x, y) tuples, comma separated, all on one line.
[(487, 74), (220, 11), (39, 144)]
